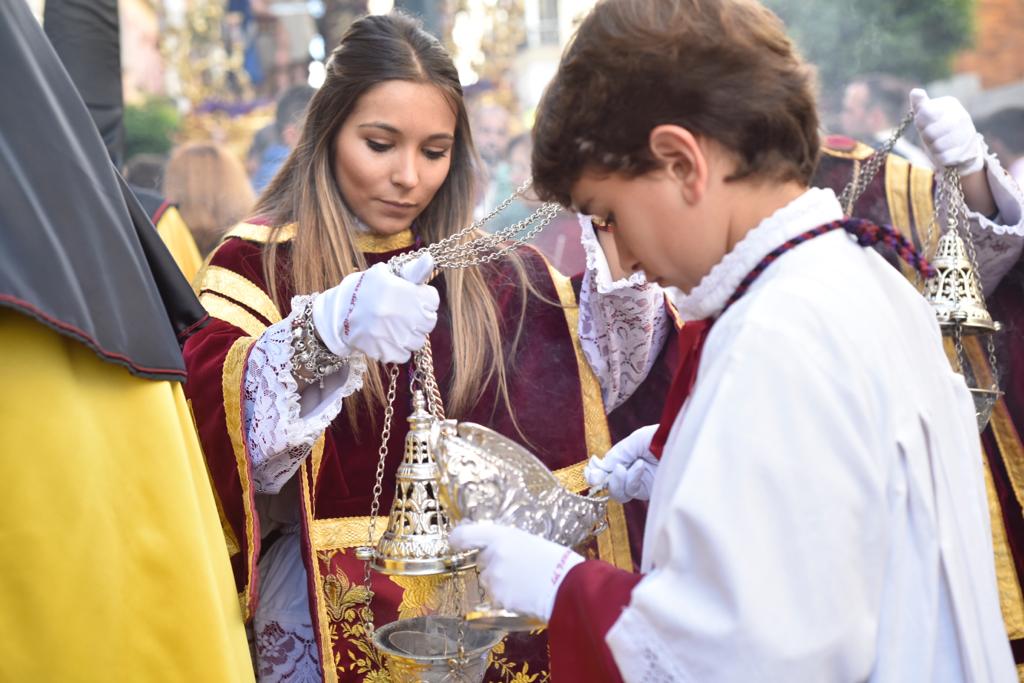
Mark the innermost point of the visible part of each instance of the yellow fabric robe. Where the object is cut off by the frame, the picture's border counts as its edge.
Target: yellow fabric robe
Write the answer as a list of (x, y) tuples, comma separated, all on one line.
[(112, 558)]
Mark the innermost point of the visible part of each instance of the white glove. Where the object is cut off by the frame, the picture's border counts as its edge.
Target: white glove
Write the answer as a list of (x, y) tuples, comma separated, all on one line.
[(627, 469), (520, 571), (948, 133), (377, 313)]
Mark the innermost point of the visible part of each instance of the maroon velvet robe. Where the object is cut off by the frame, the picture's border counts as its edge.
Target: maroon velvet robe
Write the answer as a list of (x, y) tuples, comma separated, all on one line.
[(554, 393)]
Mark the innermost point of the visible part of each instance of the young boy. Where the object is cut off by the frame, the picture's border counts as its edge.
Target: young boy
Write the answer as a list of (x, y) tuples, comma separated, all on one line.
[(818, 512)]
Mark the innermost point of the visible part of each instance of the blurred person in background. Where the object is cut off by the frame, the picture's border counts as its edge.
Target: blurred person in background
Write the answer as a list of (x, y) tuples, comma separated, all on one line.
[(262, 140), (210, 189), (146, 171), (491, 124), (517, 163), (285, 29), (273, 144), (873, 105), (560, 241)]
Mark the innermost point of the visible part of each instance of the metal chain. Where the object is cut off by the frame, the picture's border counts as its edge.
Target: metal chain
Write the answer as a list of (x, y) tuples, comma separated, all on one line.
[(991, 344), (455, 252), (428, 381), (490, 247), (958, 204), (852, 192), (941, 204), (378, 489), (478, 225), (958, 344), (460, 663)]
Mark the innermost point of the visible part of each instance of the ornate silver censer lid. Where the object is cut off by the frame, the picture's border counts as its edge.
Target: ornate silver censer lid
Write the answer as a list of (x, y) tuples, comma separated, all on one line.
[(416, 540), (954, 291)]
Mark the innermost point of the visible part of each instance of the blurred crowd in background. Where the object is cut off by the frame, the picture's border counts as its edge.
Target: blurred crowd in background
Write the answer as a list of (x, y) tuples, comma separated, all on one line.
[(214, 90)]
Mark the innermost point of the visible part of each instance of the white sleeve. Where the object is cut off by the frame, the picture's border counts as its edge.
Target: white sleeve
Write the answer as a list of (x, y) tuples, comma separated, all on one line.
[(623, 324), (765, 565), (282, 424), (998, 241)]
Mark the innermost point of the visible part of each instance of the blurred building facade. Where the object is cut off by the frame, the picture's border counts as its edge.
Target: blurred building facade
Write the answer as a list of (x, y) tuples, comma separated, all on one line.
[(990, 76)]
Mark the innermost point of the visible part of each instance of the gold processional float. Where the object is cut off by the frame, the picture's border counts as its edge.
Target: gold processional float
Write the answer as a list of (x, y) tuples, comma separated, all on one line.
[(453, 471)]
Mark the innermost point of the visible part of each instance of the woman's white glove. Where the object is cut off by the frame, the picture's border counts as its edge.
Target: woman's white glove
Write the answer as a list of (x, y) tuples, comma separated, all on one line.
[(947, 132), (520, 571), (377, 313), (627, 469)]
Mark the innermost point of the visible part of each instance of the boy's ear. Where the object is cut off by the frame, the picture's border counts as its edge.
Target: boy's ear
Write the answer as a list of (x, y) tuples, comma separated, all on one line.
[(682, 156)]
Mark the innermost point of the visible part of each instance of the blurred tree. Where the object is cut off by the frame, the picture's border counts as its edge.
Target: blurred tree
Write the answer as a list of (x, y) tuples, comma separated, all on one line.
[(150, 127), (914, 39)]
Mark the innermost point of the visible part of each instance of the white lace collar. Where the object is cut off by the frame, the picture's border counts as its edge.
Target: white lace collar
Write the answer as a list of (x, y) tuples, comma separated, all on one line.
[(814, 207)]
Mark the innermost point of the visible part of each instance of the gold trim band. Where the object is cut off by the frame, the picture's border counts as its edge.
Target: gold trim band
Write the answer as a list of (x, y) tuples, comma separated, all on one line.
[(231, 285), (229, 534), (261, 234), (231, 386), (369, 243), (923, 205), (1011, 602), (231, 313), (326, 646), (897, 197), (860, 152), (366, 242), (613, 543)]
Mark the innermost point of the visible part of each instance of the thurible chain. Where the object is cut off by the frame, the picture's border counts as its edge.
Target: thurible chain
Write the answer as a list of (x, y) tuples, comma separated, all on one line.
[(378, 489)]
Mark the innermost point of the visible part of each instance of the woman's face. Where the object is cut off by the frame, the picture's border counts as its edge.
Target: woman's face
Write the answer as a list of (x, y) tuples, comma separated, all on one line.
[(393, 153)]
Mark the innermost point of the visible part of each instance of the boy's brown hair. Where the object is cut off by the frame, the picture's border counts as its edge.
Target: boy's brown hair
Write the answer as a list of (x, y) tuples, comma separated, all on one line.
[(723, 69)]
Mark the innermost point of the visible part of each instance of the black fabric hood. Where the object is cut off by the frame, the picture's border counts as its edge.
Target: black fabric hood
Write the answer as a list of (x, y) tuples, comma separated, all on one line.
[(77, 251)]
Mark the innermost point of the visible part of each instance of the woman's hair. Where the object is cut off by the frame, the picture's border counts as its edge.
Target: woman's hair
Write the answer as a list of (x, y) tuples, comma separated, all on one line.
[(723, 69), (305, 192), (211, 190)]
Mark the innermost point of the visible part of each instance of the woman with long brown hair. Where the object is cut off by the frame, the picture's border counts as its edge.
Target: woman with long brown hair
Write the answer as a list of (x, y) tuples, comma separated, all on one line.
[(285, 382), (211, 190)]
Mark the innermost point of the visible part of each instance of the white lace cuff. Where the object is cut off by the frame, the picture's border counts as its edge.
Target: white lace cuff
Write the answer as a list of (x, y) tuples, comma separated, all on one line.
[(998, 241), (282, 424), (1008, 197), (597, 262), (622, 331)]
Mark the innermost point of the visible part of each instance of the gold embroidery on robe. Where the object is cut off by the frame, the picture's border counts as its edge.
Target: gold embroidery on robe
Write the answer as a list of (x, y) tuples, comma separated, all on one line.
[(897, 198), (613, 543), (231, 386)]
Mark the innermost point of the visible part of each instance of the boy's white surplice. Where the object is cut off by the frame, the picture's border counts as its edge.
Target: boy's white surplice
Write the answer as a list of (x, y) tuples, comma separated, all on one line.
[(819, 513)]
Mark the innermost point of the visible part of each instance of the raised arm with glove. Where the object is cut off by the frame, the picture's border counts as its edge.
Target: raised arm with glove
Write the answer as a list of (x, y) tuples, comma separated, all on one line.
[(377, 313)]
